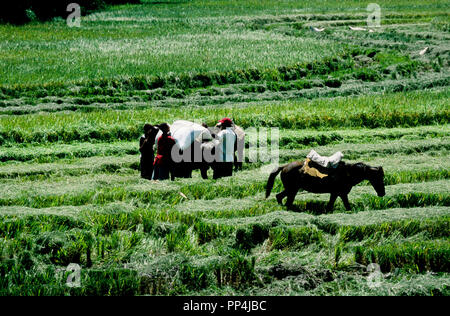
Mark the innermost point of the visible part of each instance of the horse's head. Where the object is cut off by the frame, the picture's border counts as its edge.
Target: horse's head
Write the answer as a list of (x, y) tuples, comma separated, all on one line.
[(376, 178)]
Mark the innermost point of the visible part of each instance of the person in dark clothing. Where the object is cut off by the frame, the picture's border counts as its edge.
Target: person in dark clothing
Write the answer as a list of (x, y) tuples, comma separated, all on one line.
[(146, 143), (163, 164)]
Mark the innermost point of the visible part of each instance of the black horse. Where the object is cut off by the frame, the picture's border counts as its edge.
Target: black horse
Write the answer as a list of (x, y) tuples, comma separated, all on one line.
[(198, 157), (193, 158), (201, 156), (338, 182)]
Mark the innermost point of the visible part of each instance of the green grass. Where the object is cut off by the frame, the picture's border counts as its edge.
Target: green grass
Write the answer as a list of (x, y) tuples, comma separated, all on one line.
[(284, 237), (73, 103), (333, 223), (69, 58), (383, 223), (157, 39), (396, 110), (418, 256), (434, 227)]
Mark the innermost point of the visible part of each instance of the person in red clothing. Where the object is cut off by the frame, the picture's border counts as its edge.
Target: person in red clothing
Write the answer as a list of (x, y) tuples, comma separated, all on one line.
[(163, 164)]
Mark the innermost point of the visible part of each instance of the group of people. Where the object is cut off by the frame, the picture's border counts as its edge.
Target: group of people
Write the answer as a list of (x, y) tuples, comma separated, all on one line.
[(162, 166), (156, 168)]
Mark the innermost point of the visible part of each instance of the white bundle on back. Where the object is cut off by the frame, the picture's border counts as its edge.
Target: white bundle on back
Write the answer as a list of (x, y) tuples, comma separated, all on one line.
[(326, 162), (185, 132)]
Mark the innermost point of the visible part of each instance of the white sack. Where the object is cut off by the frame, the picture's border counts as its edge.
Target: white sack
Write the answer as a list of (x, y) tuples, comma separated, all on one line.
[(326, 162), (185, 132)]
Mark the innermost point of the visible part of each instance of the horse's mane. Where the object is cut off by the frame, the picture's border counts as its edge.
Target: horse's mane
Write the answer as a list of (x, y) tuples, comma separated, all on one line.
[(358, 166)]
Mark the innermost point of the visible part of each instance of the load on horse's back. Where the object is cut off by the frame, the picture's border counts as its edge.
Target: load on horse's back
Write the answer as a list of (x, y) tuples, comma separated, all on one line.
[(337, 180), (200, 147)]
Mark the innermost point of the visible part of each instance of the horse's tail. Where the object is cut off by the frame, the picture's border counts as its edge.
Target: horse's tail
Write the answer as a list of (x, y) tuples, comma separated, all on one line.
[(271, 180)]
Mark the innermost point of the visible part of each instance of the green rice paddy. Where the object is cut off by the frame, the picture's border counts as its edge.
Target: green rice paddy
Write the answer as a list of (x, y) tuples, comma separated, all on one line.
[(73, 103)]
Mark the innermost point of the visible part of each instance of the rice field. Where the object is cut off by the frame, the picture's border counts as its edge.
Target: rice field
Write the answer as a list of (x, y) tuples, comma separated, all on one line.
[(73, 103)]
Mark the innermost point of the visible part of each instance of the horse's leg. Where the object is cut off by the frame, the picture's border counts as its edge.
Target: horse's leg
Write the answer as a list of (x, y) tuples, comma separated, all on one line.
[(291, 197), (280, 196), (204, 172), (330, 204), (344, 199), (286, 184)]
